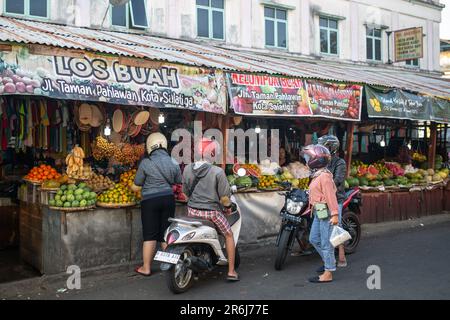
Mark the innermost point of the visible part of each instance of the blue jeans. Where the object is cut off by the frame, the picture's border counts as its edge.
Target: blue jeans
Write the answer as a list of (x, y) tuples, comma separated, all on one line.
[(341, 206), (319, 237)]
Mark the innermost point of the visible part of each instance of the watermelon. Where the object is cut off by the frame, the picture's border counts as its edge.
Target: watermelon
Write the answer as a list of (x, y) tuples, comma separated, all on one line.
[(354, 182), (373, 170), (363, 181), (244, 182), (236, 167)]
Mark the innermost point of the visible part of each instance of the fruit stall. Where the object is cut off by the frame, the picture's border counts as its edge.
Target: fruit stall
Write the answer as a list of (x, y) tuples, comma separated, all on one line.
[(397, 163), (73, 145)]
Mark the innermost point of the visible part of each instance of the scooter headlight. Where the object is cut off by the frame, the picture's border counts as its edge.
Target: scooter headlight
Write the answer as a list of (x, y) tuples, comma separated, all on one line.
[(293, 207)]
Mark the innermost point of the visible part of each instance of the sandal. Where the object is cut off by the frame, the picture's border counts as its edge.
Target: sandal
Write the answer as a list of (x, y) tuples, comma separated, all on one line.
[(233, 278), (317, 280), (342, 264), (141, 273)]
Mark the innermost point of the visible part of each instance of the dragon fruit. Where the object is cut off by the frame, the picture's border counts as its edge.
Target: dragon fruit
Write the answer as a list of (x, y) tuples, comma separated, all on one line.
[(395, 168)]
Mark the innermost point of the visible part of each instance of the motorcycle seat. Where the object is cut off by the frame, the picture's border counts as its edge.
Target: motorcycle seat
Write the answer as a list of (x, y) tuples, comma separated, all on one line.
[(203, 221)]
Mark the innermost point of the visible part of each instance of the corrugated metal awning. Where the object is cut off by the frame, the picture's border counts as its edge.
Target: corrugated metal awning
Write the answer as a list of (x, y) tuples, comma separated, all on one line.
[(207, 55)]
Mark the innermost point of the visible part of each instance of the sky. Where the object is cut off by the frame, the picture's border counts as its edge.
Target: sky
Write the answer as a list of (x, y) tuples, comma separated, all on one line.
[(445, 24)]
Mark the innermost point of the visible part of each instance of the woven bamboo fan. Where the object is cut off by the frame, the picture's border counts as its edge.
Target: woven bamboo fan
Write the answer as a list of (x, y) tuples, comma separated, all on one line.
[(76, 117), (154, 114), (85, 114), (119, 121), (98, 117), (141, 118)]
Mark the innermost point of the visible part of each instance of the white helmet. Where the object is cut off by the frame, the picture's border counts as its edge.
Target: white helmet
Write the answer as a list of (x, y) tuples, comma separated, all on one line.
[(156, 141)]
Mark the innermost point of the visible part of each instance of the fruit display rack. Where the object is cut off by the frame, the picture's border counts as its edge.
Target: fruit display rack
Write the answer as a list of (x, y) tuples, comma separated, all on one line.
[(115, 205)]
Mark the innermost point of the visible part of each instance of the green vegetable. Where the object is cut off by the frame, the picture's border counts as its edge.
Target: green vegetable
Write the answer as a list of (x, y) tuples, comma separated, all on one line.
[(79, 191), (72, 187), (67, 204), (83, 203), (231, 179), (244, 182), (52, 203), (82, 185), (63, 187), (75, 204)]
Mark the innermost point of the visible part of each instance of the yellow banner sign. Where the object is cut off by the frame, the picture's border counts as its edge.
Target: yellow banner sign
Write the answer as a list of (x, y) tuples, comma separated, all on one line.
[(408, 44)]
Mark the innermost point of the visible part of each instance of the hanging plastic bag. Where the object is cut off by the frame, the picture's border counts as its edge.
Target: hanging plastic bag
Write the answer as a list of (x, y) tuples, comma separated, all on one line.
[(339, 236)]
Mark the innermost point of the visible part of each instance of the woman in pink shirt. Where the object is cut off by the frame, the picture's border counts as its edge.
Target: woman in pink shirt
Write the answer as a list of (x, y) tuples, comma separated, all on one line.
[(322, 194)]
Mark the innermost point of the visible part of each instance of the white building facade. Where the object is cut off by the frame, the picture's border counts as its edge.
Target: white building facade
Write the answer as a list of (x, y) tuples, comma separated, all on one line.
[(344, 30)]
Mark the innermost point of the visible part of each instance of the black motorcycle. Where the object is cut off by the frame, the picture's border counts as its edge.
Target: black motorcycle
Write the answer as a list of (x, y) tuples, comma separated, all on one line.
[(296, 223)]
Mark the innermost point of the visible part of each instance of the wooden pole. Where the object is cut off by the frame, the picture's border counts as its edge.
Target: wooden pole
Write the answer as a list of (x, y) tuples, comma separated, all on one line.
[(224, 120), (349, 147), (432, 145)]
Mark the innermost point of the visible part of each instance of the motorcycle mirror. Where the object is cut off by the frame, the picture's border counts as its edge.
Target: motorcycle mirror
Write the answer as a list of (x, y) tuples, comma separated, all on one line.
[(242, 172)]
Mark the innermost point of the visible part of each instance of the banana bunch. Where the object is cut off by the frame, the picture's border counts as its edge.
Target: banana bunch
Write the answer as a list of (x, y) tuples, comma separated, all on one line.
[(419, 157), (75, 164)]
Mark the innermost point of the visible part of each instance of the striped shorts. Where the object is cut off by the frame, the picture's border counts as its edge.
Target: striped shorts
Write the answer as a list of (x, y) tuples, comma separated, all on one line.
[(217, 217)]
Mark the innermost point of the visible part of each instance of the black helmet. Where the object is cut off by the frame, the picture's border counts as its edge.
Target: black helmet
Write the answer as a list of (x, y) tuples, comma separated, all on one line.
[(330, 142)]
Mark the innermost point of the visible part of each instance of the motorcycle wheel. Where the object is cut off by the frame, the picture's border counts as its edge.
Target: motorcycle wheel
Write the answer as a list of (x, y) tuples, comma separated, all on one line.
[(350, 222), (283, 248), (180, 278)]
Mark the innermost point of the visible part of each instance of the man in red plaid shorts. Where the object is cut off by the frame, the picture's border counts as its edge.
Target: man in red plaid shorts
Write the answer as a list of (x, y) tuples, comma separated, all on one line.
[(209, 192)]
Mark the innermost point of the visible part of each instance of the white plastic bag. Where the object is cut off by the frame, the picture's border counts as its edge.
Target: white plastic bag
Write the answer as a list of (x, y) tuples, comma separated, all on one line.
[(339, 236)]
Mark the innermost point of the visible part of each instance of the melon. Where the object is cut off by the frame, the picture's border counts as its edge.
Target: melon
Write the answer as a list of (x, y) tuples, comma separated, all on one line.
[(363, 181), (437, 177)]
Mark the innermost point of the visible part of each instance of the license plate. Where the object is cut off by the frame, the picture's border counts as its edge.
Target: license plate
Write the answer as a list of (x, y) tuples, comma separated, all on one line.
[(167, 257)]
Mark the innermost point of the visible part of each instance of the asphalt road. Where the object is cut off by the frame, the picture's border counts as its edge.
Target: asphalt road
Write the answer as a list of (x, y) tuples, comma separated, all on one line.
[(413, 263)]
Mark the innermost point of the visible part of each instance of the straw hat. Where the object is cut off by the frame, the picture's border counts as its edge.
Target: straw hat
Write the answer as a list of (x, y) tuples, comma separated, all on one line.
[(85, 113)]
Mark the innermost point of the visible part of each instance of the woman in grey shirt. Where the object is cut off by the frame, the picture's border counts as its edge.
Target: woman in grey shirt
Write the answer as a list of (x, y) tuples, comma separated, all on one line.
[(155, 176)]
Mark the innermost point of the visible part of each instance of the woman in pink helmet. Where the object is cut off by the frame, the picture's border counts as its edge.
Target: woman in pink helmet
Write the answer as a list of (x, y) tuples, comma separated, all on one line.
[(323, 201)]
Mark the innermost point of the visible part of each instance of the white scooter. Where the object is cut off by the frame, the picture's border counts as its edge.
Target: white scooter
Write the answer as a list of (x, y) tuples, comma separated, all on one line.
[(195, 246)]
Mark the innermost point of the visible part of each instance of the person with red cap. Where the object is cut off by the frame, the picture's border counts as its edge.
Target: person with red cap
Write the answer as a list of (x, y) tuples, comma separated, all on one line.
[(209, 193), (324, 204)]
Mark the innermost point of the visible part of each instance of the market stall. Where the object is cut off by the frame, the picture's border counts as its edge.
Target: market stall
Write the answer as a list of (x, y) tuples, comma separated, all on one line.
[(73, 131), (296, 111), (395, 160)]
